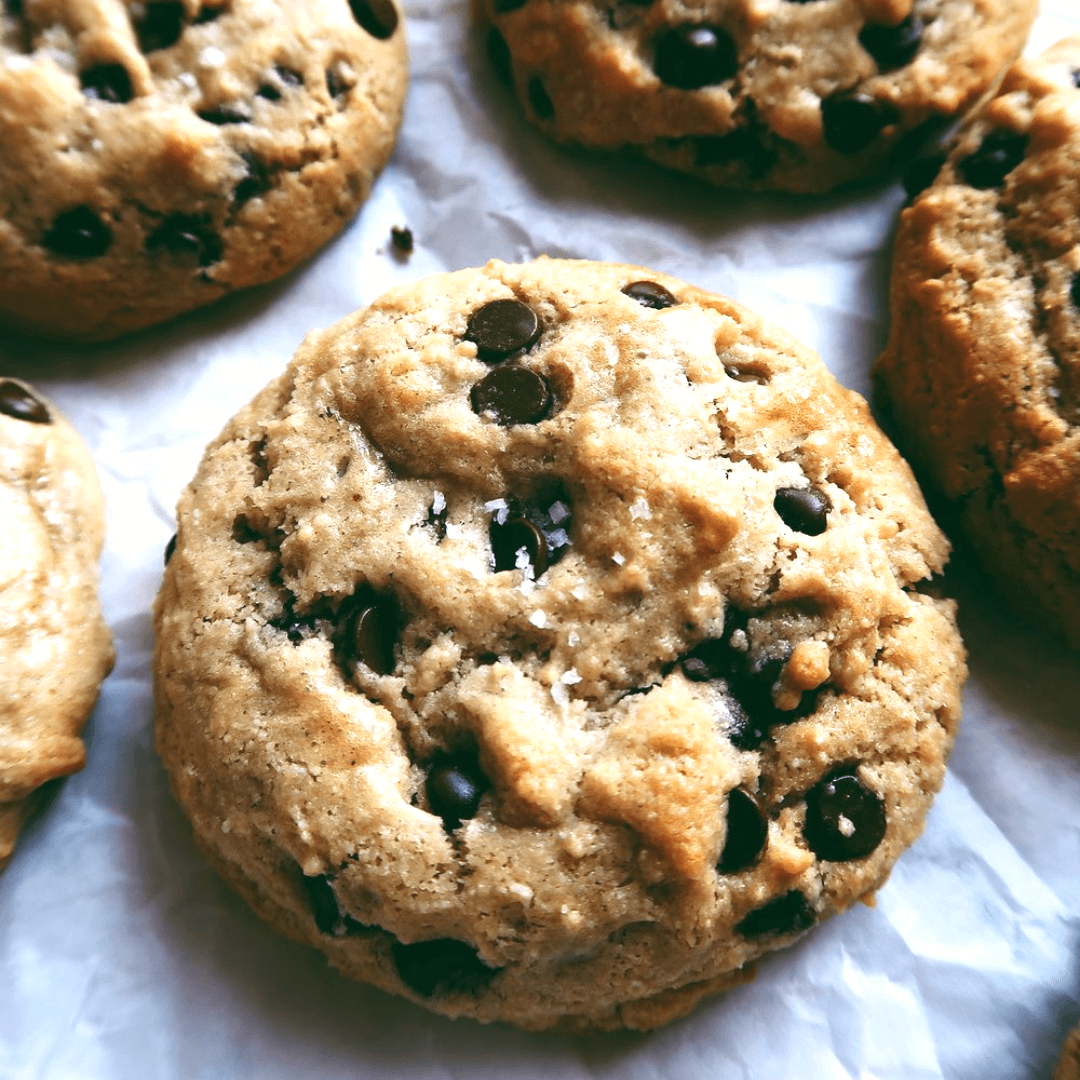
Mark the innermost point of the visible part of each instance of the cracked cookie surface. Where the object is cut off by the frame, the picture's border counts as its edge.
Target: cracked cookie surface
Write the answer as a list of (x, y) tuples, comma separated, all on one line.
[(544, 646), (54, 642), (778, 94), (982, 370), (159, 155)]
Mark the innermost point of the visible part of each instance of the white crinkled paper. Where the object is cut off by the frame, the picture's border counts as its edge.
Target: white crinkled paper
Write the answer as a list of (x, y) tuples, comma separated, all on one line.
[(123, 956)]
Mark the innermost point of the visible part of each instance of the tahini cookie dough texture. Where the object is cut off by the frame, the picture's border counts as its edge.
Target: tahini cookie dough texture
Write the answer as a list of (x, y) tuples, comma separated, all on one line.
[(545, 645), (797, 96), (159, 155), (982, 371), (54, 642)]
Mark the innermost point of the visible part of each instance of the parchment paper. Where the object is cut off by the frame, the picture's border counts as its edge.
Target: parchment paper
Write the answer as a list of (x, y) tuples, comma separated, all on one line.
[(121, 954)]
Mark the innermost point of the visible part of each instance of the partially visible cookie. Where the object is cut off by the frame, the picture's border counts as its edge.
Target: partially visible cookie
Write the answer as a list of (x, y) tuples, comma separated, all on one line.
[(54, 642), (982, 370), (781, 94), (158, 155), (1068, 1067), (546, 644)]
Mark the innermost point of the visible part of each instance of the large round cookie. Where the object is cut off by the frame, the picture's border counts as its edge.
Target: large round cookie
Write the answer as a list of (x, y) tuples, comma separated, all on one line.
[(159, 155), (982, 370), (544, 645), (787, 94), (54, 642)]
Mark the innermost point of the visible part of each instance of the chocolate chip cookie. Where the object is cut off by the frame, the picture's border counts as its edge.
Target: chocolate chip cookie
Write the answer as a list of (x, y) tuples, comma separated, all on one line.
[(1068, 1067), (784, 94), (54, 642), (158, 155), (982, 371), (546, 644)]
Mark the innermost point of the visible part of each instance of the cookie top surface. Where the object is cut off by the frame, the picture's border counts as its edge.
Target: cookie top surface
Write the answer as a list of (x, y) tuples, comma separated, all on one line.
[(982, 371), (158, 155), (55, 645), (543, 645), (799, 96)]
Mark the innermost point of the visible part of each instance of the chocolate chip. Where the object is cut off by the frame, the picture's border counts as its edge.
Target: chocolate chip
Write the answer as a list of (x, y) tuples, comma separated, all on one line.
[(336, 84), (436, 518), (998, 154), (19, 403), (503, 6), (853, 121), (106, 82), (539, 100), (787, 914), (444, 966), (160, 26), (242, 532), (922, 172), (378, 17), (501, 328), (514, 536), (78, 234), (845, 820), (499, 55), (368, 632), (269, 92), (209, 15), (170, 548), (512, 395), (893, 46), (257, 181), (455, 785), (323, 903), (747, 832), (691, 56), (1074, 292), (744, 375), (14, 7), (402, 239), (225, 114), (187, 237), (650, 294), (806, 510)]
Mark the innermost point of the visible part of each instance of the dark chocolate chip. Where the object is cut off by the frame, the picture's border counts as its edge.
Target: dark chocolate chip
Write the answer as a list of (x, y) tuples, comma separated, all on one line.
[(691, 56), (323, 903), (19, 403), (370, 633), (402, 239), (998, 154), (106, 82), (514, 535), (805, 510), (378, 17), (225, 114), (14, 7), (257, 181), (650, 294), (787, 914), (242, 532), (187, 237), (1074, 292), (747, 832), (502, 327), (443, 965), (845, 820), (922, 172), (78, 234), (707, 661), (893, 46), (499, 55), (269, 92), (160, 26), (853, 121), (209, 15), (503, 6), (454, 788), (170, 548), (512, 395), (539, 100)]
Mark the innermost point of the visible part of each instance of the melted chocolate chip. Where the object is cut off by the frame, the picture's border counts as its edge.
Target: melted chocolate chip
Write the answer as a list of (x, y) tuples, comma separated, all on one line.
[(170, 548), (257, 181), (368, 632), (106, 82), (747, 832), (539, 100), (649, 294), (787, 914), (518, 535), (323, 903), (1074, 292), (893, 46), (499, 55), (14, 7), (503, 6), (998, 154), (402, 239), (845, 820), (853, 121), (501, 328), (806, 510), (187, 237), (19, 403), (922, 172), (160, 26), (691, 56), (454, 788), (225, 114), (242, 531), (378, 17), (539, 524), (78, 234), (209, 15), (512, 395), (443, 966)]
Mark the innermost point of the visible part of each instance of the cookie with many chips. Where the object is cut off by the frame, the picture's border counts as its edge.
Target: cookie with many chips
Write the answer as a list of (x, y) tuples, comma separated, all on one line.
[(546, 644), (158, 155)]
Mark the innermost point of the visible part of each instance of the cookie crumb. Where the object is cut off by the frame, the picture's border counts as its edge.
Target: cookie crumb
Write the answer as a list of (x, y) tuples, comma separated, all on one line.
[(402, 239)]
